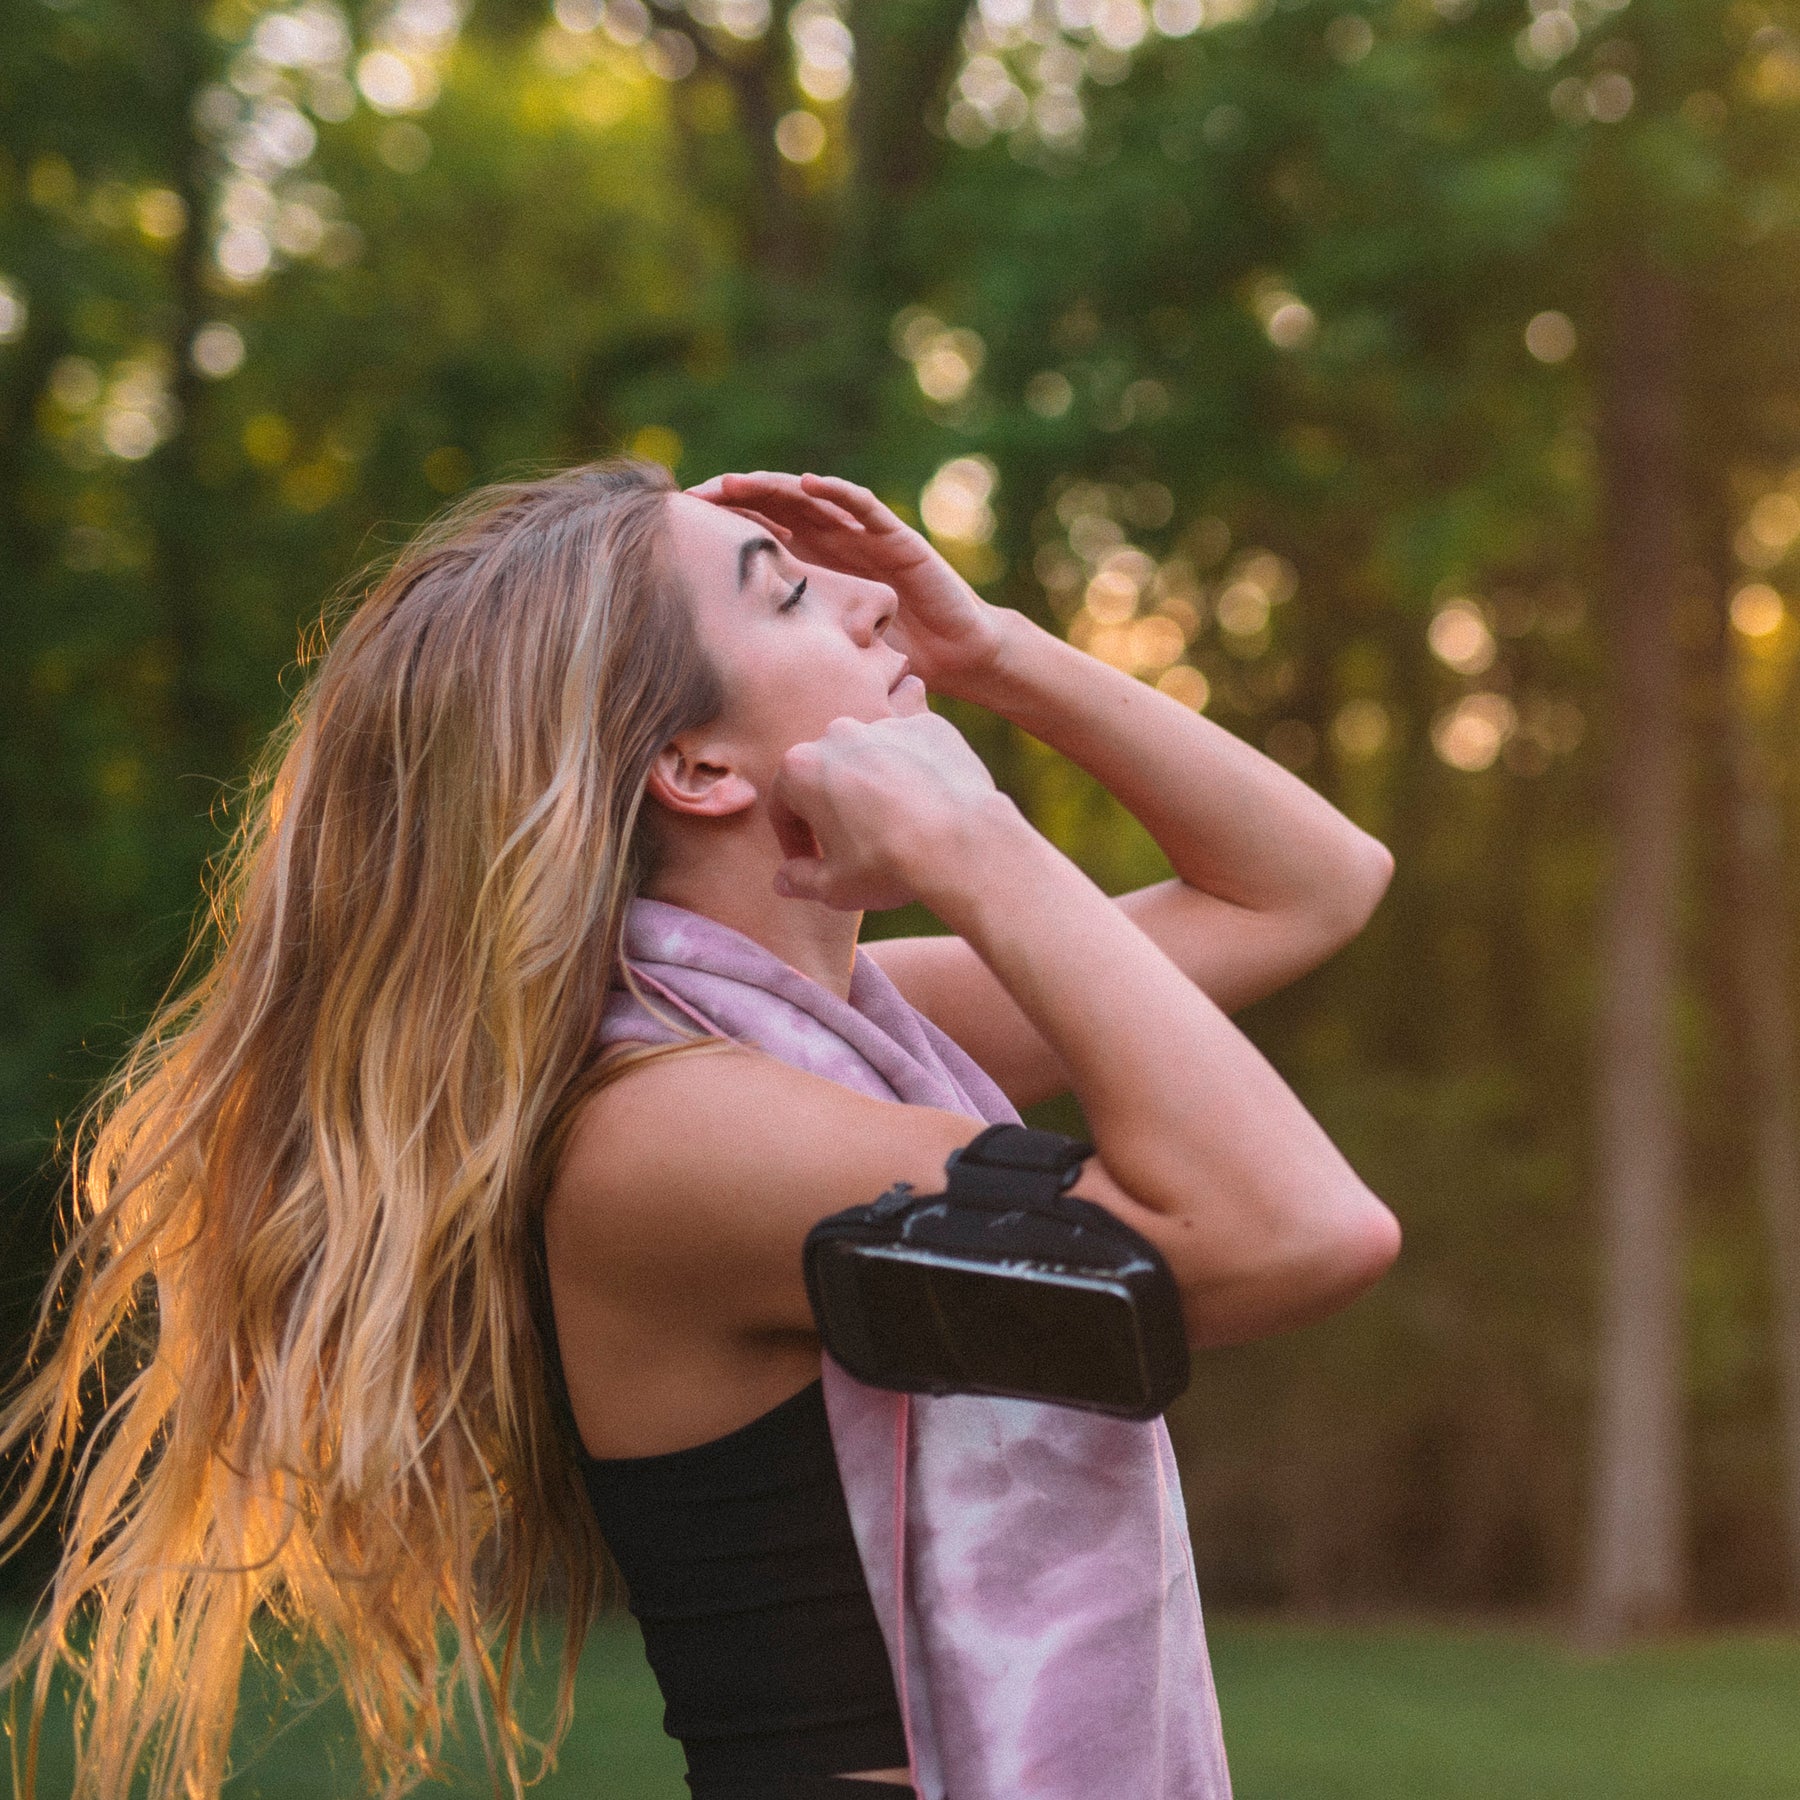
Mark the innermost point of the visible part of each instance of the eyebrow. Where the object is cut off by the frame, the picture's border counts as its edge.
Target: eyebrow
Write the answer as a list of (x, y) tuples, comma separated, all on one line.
[(749, 550)]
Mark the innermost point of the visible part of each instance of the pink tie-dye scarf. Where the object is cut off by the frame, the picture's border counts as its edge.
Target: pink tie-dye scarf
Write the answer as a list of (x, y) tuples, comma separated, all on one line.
[(1041, 1571)]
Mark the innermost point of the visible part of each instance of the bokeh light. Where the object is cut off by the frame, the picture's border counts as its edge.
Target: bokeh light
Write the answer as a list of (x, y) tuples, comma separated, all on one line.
[(1550, 337), (1461, 639), (1360, 729), (800, 136), (1471, 734), (1774, 521), (1293, 743), (1111, 597), (1757, 610), (1187, 684), (390, 83), (161, 214), (14, 313), (217, 350), (945, 359), (824, 51), (1349, 37), (1049, 394), (956, 503), (1177, 18)]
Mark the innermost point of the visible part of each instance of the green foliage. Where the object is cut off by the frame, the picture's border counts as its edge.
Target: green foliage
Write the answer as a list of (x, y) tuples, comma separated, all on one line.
[(1259, 314)]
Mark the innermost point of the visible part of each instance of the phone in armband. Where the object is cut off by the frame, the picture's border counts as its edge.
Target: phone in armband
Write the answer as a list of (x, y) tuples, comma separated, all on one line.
[(1004, 1284)]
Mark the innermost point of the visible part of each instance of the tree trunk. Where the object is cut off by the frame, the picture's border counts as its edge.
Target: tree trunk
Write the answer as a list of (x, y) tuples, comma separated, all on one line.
[(1636, 1562), (1763, 969)]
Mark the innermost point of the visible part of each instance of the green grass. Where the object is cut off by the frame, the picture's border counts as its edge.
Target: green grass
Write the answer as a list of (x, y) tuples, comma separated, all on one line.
[(1311, 1713), (1416, 1713)]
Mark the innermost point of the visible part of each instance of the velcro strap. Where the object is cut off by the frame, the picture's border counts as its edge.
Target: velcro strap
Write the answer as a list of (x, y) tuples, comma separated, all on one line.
[(1014, 1165)]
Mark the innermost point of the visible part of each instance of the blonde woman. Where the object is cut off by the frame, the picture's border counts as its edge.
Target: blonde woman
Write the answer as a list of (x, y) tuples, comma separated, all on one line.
[(595, 756)]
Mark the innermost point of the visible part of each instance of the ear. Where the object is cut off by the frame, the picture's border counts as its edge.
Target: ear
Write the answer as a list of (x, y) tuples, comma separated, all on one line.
[(685, 781)]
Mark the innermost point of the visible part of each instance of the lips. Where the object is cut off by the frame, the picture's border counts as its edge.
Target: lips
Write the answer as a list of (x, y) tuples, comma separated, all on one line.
[(907, 696), (905, 671)]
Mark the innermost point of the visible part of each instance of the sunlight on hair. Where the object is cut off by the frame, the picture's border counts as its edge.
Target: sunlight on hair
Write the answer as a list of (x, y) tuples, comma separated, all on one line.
[(300, 1240)]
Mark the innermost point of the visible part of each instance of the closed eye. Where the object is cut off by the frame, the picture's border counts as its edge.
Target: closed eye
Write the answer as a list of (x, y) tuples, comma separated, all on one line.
[(793, 599)]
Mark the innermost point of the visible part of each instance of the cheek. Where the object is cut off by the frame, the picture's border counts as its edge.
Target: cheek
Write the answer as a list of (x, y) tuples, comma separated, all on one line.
[(785, 681), (774, 697), (800, 680)]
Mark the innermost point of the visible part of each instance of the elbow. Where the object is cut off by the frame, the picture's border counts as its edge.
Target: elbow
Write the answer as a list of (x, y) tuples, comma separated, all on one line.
[(1378, 868), (1360, 883), (1298, 1277), (1348, 889), (1367, 1247), (1342, 1258)]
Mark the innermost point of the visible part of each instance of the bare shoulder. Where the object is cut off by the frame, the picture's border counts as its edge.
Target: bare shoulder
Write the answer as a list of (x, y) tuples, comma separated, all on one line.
[(689, 1182)]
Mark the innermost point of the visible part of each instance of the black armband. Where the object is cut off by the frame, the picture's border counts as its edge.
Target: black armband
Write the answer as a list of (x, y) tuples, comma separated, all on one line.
[(1003, 1284)]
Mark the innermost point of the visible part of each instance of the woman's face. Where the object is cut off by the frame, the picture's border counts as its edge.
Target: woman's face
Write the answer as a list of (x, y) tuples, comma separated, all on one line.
[(795, 645)]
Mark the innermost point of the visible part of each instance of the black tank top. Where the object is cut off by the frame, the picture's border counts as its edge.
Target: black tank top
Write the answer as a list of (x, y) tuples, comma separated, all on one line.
[(745, 1578)]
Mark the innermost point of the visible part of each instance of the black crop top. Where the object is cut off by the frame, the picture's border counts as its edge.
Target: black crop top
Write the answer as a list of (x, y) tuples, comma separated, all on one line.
[(745, 1578)]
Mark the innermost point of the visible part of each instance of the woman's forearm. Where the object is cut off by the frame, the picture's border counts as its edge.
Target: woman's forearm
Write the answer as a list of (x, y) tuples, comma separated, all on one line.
[(1232, 823), (1188, 1117)]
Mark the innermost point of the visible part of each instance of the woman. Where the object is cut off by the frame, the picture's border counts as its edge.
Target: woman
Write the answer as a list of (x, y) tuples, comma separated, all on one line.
[(308, 1208)]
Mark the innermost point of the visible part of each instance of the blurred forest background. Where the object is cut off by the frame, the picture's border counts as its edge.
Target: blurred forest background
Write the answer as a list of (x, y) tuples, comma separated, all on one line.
[(1414, 384)]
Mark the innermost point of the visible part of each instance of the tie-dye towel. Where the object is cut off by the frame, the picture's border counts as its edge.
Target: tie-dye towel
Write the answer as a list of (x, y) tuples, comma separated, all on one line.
[(1053, 1647)]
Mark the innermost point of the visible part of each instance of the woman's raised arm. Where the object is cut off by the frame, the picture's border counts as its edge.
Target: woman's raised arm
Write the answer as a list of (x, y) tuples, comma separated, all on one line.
[(1270, 879), (698, 1176), (1262, 1220)]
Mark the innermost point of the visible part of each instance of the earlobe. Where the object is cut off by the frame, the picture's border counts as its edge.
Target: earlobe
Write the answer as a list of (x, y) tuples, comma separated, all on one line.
[(685, 782)]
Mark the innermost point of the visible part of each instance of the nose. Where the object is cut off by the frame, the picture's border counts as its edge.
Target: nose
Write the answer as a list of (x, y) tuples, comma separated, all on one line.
[(873, 606)]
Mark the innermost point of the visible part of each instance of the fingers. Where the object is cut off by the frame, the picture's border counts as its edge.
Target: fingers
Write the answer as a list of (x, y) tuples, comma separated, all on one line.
[(805, 875), (862, 505), (802, 878), (793, 833), (798, 788), (846, 521), (786, 493), (768, 489), (769, 525)]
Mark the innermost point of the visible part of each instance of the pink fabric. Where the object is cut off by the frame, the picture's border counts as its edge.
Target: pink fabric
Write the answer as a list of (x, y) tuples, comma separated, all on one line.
[(1048, 1643)]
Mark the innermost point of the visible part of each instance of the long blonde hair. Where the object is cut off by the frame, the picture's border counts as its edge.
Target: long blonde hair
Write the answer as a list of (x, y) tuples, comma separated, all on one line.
[(297, 1275)]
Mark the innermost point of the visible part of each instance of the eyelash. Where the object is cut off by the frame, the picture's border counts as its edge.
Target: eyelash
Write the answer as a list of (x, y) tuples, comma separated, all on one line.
[(793, 599)]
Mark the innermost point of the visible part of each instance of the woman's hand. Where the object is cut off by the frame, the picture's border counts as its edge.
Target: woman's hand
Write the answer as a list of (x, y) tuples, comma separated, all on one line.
[(875, 815), (951, 635)]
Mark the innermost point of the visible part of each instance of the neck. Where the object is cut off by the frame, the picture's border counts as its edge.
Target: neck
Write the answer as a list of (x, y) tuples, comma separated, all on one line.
[(725, 871)]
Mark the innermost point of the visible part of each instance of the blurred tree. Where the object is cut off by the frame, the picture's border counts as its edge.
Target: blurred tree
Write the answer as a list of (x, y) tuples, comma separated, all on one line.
[(1764, 970), (1317, 362)]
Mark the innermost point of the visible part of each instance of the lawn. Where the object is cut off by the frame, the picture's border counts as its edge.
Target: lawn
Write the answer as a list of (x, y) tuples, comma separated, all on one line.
[(1311, 1713)]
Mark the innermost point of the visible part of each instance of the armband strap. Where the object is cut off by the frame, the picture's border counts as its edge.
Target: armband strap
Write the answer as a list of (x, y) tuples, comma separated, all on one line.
[(1014, 1165)]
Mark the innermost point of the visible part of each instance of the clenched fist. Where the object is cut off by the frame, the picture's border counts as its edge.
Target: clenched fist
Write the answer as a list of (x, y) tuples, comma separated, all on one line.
[(892, 809)]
